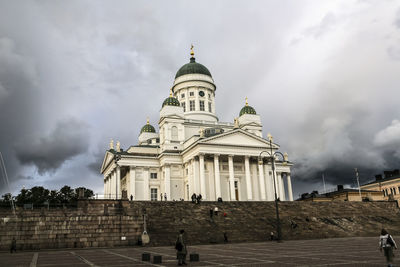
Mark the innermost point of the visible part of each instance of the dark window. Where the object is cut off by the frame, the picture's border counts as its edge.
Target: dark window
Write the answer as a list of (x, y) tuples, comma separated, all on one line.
[(182, 95), (153, 175), (201, 105), (191, 93)]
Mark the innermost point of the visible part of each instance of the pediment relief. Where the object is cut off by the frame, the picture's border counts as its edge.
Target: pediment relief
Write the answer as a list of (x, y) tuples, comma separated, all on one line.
[(237, 138)]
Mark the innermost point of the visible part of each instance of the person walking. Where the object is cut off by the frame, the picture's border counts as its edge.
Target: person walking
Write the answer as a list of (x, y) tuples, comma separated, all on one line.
[(180, 247), (13, 247), (387, 243)]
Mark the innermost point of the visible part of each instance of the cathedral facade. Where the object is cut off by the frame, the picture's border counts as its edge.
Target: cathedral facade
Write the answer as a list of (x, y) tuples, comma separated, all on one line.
[(194, 152)]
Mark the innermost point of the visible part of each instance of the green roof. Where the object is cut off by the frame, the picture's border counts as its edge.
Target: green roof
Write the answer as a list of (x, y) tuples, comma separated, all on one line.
[(171, 101), (247, 110), (148, 128), (191, 68)]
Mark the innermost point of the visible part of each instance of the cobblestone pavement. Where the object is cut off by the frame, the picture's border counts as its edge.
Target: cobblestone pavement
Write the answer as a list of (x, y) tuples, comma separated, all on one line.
[(360, 251)]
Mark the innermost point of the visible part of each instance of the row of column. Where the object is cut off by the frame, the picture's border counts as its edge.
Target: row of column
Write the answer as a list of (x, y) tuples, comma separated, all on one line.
[(112, 184), (200, 169)]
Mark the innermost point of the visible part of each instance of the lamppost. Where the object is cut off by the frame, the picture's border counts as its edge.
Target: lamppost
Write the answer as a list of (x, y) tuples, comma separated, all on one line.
[(271, 158)]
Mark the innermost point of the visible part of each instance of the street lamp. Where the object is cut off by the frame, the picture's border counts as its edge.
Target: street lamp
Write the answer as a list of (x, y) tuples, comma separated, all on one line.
[(271, 157)]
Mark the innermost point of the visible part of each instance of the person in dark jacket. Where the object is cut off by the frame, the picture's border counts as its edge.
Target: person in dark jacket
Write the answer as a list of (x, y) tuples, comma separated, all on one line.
[(13, 247), (387, 243), (194, 198), (180, 247)]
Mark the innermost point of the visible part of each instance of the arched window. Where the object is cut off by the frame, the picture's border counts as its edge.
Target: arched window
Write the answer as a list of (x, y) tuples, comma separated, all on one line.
[(174, 133)]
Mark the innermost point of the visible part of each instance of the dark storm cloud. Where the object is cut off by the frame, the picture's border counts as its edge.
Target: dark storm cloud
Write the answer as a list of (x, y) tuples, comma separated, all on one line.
[(69, 139), (329, 97)]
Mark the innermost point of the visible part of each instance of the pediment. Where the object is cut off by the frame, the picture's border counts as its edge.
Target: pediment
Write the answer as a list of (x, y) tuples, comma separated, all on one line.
[(107, 158), (237, 137)]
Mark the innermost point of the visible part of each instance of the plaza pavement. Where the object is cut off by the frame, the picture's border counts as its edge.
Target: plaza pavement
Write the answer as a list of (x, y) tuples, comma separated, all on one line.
[(359, 251)]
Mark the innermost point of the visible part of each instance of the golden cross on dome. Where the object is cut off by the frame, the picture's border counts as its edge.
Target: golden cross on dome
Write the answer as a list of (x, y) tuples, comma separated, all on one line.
[(191, 50), (246, 102), (148, 122)]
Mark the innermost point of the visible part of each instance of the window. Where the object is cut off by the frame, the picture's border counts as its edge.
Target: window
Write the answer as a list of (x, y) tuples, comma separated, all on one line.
[(153, 175), (174, 133), (187, 171), (391, 191), (209, 95), (182, 95), (384, 193), (209, 107), (183, 104), (191, 105), (153, 194), (191, 94), (201, 105)]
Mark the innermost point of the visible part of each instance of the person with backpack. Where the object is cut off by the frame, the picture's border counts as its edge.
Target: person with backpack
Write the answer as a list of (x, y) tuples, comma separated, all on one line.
[(387, 243), (180, 247)]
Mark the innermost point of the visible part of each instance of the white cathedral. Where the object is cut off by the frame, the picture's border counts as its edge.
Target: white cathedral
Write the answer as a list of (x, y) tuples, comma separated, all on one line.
[(194, 152)]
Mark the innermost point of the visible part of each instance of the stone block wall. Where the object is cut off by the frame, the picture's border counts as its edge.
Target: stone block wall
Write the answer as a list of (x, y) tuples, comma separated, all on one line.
[(107, 223)]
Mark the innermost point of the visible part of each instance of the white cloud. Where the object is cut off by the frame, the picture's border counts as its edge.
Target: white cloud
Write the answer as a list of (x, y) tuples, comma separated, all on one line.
[(389, 137)]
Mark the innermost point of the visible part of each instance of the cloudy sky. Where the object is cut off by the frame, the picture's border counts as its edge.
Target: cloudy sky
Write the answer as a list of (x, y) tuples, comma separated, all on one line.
[(323, 75)]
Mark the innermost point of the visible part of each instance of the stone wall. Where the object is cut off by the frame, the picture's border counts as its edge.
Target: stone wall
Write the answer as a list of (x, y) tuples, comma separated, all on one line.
[(100, 223)]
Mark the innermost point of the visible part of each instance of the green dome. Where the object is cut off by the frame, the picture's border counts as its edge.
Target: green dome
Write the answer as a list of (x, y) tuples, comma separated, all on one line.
[(247, 110), (171, 101), (148, 128), (191, 68)]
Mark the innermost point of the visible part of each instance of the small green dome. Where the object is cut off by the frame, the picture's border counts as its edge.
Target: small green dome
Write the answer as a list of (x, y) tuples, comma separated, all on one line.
[(247, 110), (148, 128), (171, 101), (191, 68)]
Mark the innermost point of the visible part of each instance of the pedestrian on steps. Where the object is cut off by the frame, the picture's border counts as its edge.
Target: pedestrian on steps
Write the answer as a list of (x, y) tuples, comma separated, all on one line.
[(13, 247), (194, 198), (387, 243), (180, 246)]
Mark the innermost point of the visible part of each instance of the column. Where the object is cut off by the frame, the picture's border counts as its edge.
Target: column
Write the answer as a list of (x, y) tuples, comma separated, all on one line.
[(167, 181), (283, 197), (118, 182), (196, 176), (190, 178), (231, 178), (146, 195), (105, 186), (110, 185), (289, 185), (197, 104), (270, 185), (248, 181), (132, 183), (202, 177), (113, 184), (261, 180), (217, 177)]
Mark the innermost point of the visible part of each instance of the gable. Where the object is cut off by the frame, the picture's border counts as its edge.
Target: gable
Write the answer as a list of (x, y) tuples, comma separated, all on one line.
[(237, 138), (107, 158)]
